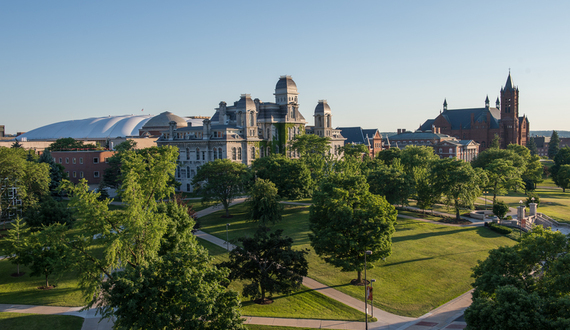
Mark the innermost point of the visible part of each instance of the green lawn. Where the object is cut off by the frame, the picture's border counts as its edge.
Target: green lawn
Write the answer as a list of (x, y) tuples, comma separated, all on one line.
[(430, 265), (23, 290), (304, 303), (22, 321)]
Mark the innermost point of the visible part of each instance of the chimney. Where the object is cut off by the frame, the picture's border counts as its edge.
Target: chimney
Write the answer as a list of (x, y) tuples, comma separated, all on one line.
[(172, 128), (206, 129)]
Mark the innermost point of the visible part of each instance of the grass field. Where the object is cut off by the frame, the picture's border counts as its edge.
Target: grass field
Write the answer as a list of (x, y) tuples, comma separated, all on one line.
[(430, 265), (22, 321), (23, 290), (269, 327), (303, 303)]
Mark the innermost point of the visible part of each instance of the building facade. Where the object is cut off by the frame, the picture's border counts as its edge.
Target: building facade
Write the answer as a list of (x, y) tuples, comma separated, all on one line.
[(247, 130), (443, 145), (482, 124), (83, 164)]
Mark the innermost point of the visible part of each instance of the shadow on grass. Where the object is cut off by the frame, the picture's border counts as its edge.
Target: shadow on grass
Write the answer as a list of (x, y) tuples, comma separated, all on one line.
[(37, 297), (427, 235), (430, 258)]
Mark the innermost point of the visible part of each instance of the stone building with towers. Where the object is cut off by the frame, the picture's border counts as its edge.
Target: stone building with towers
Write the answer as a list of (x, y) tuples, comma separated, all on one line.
[(246, 130), (482, 124)]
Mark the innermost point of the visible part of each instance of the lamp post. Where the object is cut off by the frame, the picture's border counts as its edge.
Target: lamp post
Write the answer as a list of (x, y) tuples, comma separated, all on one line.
[(485, 198), (366, 288), (372, 303), (520, 220), (227, 237)]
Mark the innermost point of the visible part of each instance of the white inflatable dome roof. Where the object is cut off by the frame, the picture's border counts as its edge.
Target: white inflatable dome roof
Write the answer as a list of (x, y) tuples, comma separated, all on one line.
[(90, 128)]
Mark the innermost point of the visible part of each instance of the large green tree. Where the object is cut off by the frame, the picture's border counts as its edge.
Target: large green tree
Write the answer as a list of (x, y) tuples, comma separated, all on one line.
[(346, 220), (531, 145), (263, 203), (525, 286), (553, 145), (504, 168), (269, 262), (392, 182), (562, 158), (112, 174), (56, 172), (221, 180), (291, 176), (563, 177), (29, 179), (458, 182), (164, 272), (388, 155), (179, 290), (315, 152)]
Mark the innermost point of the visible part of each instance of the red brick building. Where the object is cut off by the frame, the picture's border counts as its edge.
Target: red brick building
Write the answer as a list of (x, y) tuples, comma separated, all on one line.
[(83, 164), (443, 145), (482, 124)]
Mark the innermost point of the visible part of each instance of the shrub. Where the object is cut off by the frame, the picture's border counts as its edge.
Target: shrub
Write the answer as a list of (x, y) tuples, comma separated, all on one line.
[(500, 209), (529, 198), (500, 229)]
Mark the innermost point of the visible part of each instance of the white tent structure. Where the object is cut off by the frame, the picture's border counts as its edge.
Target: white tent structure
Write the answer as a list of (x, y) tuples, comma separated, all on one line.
[(89, 129)]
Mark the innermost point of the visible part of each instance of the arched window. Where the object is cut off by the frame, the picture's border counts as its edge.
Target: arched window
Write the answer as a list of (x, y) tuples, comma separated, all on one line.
[(440, 150), (450, 150), (188, 187), (267, 134), (252, 152), (188, 173), (262, 152), (215, 154), (197, 153), (220, 153), (268, 151), (251, 119), (233, 153), (239, 153), (187, 153), (328, 121)]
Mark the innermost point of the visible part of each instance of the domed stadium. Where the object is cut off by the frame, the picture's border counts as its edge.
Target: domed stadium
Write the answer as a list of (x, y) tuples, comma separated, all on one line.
[(89, 129)]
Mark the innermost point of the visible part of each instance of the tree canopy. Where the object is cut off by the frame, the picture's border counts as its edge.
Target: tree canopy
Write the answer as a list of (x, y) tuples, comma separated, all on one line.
[(163, 270), (525, 286), (263, 203), (221, 180), (269, 262), (504, 168), (291, 176), (392, 182), (69, 143), (458, 182), (553, 145), (346, 220), (315, 152)]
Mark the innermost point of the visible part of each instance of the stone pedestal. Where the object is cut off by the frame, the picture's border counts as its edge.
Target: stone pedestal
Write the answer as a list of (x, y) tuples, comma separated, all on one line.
[(520, 212), (532, 207)]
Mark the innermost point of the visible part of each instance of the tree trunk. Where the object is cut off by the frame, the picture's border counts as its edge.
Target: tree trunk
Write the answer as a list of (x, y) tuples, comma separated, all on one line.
[(262, 294), (47, 284), (359, 276), (457, 216)]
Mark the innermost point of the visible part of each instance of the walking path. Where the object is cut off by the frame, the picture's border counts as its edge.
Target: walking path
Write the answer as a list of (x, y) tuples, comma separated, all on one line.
[(447, 316)]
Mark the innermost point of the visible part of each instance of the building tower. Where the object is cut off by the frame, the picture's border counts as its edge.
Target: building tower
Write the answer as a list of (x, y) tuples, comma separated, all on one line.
[(509, 114), (323, 119)]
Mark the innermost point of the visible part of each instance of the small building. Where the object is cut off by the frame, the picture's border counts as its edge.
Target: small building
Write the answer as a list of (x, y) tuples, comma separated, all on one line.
[(83, 164), (2, 131)]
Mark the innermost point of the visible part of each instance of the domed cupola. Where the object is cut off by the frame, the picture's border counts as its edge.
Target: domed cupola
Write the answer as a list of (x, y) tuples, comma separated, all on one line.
[(323, 119), (285, 91)]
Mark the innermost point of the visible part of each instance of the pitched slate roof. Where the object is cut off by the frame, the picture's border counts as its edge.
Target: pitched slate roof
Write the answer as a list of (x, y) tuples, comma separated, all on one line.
[(461, 118), (357, 135)]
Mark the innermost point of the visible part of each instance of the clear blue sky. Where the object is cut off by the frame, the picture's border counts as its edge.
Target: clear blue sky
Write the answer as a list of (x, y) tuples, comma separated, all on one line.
[(380, 64)]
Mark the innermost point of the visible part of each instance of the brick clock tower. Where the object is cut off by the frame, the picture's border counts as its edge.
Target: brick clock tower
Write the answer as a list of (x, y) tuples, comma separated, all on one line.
[(510, 115)]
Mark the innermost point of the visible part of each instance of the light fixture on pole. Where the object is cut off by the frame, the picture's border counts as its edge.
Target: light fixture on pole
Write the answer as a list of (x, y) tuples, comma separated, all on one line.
[(371, 296), (366, 288), (520, 212), (227, 237)]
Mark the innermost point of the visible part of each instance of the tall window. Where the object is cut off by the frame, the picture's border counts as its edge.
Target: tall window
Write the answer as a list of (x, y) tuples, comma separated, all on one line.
[(215, 154), (187, 187), (251, 119), (95, 160), (66, 160), (197, 153), (239, 153), (233, 153), (252, 152), (188, 172), (187, 153), (220, 153), (328, 121)]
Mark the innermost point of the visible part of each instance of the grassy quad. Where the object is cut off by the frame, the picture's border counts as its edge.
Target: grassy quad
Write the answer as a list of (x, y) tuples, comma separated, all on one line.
[(430, 264), (22, 321), (304, 303)]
